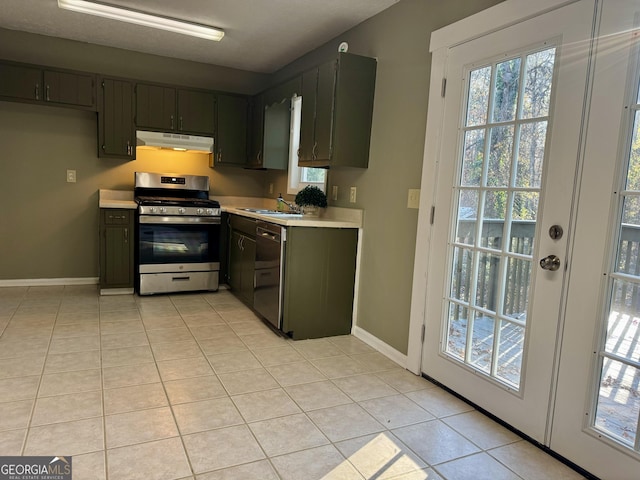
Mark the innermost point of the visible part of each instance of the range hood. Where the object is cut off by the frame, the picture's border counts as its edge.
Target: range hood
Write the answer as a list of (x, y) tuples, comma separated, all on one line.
[(174, 141)]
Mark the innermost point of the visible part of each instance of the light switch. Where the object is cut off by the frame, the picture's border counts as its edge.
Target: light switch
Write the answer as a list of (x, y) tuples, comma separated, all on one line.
[(352, 195), (334, 192), (413, 200), (71, 176)]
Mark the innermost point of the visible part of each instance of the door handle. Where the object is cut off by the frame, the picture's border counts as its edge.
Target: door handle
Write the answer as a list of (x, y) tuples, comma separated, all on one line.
[(550, 262)]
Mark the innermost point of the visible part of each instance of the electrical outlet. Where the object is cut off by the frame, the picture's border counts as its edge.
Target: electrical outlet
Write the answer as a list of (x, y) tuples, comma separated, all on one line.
[(334, 192), (71, 176), (352, 195), (413, 200), (271, 188)]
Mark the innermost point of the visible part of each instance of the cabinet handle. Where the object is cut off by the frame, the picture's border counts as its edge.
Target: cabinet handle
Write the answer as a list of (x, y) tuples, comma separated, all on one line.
[(126, 235), (46, 94), (171, 117), (37, 92), (259, 158), (220, 156), (129, 148), (314, 156), (181, 126)]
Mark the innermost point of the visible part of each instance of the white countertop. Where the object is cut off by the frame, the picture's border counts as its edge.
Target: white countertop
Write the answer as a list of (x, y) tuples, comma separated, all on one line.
[(116, 199), (331, 217)]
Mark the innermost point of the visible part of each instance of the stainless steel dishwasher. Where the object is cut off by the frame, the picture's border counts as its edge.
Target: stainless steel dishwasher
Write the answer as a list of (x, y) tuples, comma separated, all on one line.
[(269, 271)]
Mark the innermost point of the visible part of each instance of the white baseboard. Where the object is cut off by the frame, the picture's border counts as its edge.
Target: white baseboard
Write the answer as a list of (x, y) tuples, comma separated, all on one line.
[(116, 291), (43, 282), (385, 349)]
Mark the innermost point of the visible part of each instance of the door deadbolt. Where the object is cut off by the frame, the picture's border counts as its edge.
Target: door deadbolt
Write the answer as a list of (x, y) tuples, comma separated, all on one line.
[(555, 232), (551, 263)]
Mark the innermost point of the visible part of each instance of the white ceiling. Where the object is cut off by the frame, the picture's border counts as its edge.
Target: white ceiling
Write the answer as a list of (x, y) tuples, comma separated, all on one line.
[(260, 35)]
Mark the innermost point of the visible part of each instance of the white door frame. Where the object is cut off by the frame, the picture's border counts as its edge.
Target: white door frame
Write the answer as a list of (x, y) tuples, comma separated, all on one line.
[(493, 19)]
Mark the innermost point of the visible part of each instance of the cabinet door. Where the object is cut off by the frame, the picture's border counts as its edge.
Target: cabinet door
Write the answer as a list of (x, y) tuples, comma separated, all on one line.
[(116, 249), (196, 112), (248, 269), (20, 82), (69, 88), (323, 131), (235, 261), (231, 138), (307, 120), (155, 107), (115, 119), (256, 131)]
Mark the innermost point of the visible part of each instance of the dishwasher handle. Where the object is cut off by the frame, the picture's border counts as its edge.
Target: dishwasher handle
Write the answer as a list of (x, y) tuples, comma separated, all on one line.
[(267, 235)]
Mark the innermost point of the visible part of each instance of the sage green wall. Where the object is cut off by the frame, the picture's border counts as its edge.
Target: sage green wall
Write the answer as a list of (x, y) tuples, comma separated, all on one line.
[(49, 228), (399, 38)]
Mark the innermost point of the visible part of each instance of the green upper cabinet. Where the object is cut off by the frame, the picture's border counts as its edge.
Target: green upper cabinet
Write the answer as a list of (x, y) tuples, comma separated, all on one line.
[(170, 109), (256, 131), (277, 133), (196, 112), (155, 107), (337, 109), (116, 130), (29, 83), (232, 126)]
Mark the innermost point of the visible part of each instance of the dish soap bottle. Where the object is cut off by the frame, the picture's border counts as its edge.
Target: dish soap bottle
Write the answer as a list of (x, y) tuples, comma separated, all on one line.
[(280, 205)]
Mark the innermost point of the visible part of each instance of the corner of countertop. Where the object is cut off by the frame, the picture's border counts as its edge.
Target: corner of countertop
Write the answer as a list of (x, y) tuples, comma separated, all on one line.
[(116, 199)]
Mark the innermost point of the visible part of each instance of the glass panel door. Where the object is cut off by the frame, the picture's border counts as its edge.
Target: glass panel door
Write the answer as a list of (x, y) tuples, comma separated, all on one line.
[(502, 157), (618, 401)]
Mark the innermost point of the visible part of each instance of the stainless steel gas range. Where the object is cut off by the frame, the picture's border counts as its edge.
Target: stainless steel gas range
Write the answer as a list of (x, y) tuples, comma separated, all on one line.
[(178, 227)]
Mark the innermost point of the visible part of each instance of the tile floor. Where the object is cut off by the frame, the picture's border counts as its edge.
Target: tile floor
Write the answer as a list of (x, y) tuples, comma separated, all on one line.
[(194, 386)]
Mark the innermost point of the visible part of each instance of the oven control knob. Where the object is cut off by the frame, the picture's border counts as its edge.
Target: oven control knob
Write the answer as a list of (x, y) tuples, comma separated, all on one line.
[(209, 211), (152, 209), (199, 211), (163, 210), (181, 210)]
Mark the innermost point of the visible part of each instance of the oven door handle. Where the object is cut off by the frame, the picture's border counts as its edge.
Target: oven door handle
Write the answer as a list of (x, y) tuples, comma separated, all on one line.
[(159, 220)]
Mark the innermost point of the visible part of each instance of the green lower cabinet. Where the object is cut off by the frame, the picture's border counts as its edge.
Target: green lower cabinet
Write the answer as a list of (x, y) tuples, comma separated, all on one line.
[(116, 249), (320, 269), (242, 257)]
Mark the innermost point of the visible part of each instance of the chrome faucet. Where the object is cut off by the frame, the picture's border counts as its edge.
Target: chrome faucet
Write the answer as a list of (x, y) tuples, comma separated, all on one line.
[(281, 201)]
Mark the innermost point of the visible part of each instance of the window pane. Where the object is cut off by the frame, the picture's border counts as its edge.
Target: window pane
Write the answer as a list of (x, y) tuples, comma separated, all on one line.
[(461, 277), (500, 155), (487, 281), (467, 217), (495, 207), (623, 328), (631, 212), (516, 294), (457, 330), (482, 343), (633, 175), (473, 158), (619, 401), (506, 90), (479, 81), (523, 222), (313, 175), (538, 80), (510, 350), (531, 146)]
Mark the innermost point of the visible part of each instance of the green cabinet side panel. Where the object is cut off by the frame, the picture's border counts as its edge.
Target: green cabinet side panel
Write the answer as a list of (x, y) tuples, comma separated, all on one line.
[(319, 281), (277, 121), (353, 110)]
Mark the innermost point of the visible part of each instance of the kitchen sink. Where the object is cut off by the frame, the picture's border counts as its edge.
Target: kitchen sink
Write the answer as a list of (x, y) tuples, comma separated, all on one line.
[(266, 211)]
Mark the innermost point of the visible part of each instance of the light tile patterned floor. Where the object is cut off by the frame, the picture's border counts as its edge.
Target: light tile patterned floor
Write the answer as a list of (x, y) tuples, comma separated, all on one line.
[(195, 386)]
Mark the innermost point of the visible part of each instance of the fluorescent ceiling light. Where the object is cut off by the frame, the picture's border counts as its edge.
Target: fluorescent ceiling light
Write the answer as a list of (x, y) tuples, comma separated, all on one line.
[(141, 18)]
